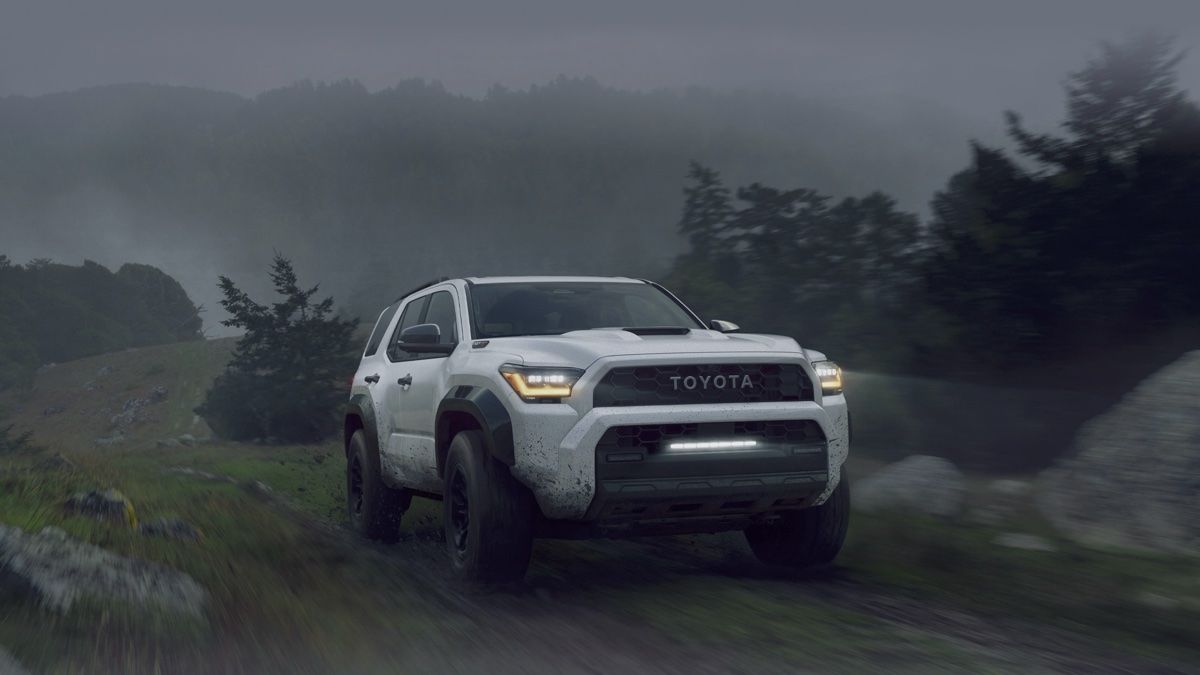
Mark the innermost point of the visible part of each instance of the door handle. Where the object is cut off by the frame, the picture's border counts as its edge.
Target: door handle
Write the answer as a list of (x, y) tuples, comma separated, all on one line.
[(405, 381), (371, 379)]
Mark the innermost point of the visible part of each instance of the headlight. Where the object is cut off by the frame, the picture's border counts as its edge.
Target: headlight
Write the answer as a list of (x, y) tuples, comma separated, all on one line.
[(830, 375), (540, 384)]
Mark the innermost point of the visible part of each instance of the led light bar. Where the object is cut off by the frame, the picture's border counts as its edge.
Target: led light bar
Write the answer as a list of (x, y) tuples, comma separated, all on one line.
[(710, 445)]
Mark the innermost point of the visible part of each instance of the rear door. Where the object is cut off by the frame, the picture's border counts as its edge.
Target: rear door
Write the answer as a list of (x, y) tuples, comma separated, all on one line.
[(415, 386)]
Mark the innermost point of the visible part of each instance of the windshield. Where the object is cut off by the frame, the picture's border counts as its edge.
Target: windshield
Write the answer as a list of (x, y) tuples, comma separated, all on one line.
[(553, 308)]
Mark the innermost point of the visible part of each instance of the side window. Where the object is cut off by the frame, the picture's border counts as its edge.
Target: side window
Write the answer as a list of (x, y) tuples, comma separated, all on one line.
[(380, 328), (411, 317), (441, 312)]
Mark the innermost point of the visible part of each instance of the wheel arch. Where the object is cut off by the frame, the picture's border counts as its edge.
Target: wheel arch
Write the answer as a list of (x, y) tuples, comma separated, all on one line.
[(469, 407), (359, 414)]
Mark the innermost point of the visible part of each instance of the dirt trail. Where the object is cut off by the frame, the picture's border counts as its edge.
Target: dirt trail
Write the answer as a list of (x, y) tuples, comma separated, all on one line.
[(549, 623)]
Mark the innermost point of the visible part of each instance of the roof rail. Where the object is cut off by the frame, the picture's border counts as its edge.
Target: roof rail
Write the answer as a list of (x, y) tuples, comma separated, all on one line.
[(422, 287)]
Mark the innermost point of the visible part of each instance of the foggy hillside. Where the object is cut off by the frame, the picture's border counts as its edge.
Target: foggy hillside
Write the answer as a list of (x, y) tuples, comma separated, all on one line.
[(371, 192)]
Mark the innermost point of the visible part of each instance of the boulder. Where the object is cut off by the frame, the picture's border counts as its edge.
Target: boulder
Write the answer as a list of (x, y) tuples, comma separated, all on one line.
[(167, 443), (1134, 478), (919, 484), (187, 439), (108, 505), (57, 570)]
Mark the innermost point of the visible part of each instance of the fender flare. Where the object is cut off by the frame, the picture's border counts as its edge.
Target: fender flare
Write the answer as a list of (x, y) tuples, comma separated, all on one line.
[(490, 416), (360, 408)]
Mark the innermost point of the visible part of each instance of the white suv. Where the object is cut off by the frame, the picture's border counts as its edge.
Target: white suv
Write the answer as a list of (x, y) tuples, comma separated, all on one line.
[(585, 406)]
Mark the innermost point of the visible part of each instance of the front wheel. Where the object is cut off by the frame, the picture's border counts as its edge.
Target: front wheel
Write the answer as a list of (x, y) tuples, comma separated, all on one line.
[(487, 514), (809, 538), (373, 507)]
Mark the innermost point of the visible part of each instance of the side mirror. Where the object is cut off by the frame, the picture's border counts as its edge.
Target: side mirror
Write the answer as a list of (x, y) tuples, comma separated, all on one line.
[(722, 326), (424, 338)]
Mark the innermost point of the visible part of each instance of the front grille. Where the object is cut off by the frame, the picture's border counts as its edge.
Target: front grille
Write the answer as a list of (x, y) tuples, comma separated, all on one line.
[(716, 383), (649, 438)]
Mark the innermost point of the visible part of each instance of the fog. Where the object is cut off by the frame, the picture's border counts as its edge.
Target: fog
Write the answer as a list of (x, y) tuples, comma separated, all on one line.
[(892, 94), (973, 58)]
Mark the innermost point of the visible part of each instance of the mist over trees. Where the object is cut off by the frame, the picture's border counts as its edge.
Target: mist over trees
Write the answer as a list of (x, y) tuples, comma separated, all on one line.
[(371, 192), (51, 312), (1071, 248)]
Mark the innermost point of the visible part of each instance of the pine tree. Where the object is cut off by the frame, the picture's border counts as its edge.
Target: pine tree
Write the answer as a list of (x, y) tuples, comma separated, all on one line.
[(284, 379), (706, 210)]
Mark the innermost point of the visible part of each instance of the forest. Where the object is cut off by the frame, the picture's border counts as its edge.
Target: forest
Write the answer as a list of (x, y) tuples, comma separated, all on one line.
[(1045, 261)]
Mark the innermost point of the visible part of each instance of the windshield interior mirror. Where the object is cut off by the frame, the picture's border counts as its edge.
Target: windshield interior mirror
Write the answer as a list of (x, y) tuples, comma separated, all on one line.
[(723, 326)]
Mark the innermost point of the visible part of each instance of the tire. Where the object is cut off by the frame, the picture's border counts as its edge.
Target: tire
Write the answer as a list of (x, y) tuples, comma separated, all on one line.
[(374, 508), (810, 538), (488, 516)]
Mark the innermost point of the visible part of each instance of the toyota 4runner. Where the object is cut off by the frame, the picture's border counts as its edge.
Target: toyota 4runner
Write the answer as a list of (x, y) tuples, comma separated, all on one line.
[(583, 406)]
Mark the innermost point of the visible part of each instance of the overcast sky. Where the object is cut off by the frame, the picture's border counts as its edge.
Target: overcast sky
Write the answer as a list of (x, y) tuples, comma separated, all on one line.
[(973, 57)]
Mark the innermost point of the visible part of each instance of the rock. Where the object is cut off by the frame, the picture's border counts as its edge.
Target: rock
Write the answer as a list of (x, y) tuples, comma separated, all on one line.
[(55, 462), (1001, 500), (1158, 601), (53, 410), (188, 471), (104, 371), (1135, 475), (187, 439), (167, 443), (106, 441), (57, 570), (90, 385), (134, 409), (918, 484), (104, 505), (259, 489), (1026, 542), (9, 665), (171, 528)]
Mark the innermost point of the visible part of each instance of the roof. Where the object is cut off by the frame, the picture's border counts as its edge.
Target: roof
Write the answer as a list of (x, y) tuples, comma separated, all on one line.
[(561, 279)]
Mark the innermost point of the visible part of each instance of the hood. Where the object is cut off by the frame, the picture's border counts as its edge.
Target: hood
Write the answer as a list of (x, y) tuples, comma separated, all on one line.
[(581, 348)]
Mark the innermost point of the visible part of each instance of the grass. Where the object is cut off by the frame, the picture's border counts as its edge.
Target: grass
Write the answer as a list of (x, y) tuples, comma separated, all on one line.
[(1076, 588), (287, 589)]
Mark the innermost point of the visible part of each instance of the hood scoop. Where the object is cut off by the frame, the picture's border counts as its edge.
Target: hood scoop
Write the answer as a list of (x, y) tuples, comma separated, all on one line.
[(658, 330)]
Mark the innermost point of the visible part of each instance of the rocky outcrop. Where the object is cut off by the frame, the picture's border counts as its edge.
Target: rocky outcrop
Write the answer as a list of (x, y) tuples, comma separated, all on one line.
[(1135, 478), (919, 484), (57, 570)]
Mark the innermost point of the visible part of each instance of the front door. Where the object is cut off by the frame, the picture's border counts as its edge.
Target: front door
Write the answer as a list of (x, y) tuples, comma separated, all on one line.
[(416, 383)]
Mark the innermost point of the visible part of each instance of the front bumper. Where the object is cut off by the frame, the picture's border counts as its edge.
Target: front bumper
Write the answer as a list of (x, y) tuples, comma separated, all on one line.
[(556, 457)]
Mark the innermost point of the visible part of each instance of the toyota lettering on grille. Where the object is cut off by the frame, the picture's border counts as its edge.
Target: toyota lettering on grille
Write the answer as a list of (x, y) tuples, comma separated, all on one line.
[(693, 382)]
